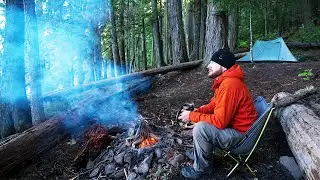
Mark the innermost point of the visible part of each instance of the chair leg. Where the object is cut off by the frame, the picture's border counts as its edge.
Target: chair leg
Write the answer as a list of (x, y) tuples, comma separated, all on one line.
[(250, 170), (233, 169)]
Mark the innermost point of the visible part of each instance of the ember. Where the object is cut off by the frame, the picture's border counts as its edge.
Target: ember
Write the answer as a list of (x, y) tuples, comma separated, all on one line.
[(147, 142)]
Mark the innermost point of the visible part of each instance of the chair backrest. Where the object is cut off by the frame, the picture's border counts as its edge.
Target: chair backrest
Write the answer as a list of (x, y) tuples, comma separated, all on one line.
[(252, 135)]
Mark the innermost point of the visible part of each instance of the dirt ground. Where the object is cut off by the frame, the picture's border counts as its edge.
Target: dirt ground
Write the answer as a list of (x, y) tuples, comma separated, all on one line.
[(171, 90)]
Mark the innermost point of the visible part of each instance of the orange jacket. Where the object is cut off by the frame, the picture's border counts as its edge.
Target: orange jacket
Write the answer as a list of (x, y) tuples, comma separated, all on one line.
[(231, 106)]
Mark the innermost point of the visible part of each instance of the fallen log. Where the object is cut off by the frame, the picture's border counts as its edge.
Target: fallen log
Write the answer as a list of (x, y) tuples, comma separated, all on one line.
[(240, 55), (123, 78), (29, 145), (303, 45), (302, 128)]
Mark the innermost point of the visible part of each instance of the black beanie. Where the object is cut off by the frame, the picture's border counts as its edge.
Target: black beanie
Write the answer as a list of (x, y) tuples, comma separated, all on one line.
[(224, 57)]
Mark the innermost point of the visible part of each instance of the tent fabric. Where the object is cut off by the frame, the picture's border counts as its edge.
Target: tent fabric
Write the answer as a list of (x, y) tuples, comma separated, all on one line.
[(273, 50)]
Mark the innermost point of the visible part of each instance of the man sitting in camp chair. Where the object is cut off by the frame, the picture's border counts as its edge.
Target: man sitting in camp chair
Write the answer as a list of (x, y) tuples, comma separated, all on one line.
[(223, 122)]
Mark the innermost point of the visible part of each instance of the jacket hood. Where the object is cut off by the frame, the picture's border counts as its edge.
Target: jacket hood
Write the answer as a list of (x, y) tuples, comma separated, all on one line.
[(234, 72)]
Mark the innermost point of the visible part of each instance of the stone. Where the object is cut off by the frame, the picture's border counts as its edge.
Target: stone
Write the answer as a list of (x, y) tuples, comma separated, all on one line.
[(158, 153), (290, 167), (110, 168), (127, 158), (90, 164), (144, 166), (119, 158), (109, 156), (132, 176), (179, 141), (95, 172), (176, 160), (119, 174)]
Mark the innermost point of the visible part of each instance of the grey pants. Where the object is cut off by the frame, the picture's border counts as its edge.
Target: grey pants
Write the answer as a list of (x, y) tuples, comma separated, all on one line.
[(206, 137)]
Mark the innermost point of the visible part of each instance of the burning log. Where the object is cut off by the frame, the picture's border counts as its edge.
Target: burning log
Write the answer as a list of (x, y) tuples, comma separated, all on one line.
[(144, 136), (301, 126)]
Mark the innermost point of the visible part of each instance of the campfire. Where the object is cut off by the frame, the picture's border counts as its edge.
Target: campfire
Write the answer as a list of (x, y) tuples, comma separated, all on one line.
[(145, 151)]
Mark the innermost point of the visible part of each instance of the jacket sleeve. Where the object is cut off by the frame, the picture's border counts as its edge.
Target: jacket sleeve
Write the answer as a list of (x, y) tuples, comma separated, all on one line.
[(208, 108), (225, 108)]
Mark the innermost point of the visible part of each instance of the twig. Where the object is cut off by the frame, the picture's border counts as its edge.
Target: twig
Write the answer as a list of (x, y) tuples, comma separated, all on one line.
[(125, 173)]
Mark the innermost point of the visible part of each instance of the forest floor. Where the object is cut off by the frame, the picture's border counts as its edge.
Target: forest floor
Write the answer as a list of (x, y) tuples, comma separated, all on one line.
[(171, 90)]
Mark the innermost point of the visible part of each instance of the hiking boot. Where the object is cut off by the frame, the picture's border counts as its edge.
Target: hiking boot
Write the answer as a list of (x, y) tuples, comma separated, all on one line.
[(190, 172), (190, 155)]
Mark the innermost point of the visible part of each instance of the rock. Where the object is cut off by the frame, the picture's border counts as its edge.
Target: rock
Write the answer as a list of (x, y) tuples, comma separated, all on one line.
[(179, 141), (158, 153), (119, 174), (109, 156), (132, 176), (161, 161), (127, 158), (110, 168), (90, 164), (159, 171), (119, 158), (176, 160), (290, 167), (95, 172), (144, 166)]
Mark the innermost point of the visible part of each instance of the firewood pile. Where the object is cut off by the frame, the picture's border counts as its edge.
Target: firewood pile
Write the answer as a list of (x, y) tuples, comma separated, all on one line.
[(144, 151)]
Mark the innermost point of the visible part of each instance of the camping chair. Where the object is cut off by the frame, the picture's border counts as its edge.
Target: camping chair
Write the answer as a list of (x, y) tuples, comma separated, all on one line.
[(247, 145)]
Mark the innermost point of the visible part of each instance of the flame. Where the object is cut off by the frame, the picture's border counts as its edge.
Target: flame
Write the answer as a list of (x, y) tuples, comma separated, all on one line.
[(147, 142)]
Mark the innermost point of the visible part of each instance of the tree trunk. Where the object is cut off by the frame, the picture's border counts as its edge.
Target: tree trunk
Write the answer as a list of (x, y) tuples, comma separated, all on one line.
[(215, 32), (121, 41), (302, 126), (144, 47), (98, 54), (179, 50), (29, 145), (156, 35), (307, 11), (111, 62), (203, 27), (114, 39), (196, 31), (14, 106), (32, 54), (189, 26), (233, 28)]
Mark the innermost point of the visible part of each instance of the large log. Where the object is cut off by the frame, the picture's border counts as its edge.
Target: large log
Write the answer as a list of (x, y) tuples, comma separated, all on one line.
[(29, 145), (302, 128), (303, 45), (123, 78)]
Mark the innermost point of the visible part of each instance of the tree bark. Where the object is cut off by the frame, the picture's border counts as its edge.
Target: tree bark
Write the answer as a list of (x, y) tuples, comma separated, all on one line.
[(121, 41), (29, 145), (196, 31), (97, 54), (302, 128), (179, 50), (114, 40), (215, 32), (203, 28), (14, 107), (156, 35), (233, 28), (189, 26), (144, 47), (32, 54)]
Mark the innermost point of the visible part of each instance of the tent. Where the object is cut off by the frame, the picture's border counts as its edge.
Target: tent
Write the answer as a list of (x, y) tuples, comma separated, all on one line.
[(274, 50)]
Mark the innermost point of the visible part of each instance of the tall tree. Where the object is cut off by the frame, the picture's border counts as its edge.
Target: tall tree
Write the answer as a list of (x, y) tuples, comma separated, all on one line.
[(203, 27), (216, 31), (196, 31), (15, 110), (179, 49), (32, 55), (144, 48), (233, 27), (114, 39), (121, 37), (189, 26), (156, 35)]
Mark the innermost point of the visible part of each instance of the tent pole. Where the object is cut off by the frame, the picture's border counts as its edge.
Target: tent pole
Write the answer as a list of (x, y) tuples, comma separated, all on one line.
[(251, 58)]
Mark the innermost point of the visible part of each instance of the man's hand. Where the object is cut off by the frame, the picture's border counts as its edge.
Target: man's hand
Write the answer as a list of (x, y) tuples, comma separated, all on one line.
[(184, 116)]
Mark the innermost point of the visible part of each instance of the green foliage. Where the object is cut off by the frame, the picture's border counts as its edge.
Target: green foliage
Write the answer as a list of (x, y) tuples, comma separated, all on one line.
[(309, 33), (306, 74)]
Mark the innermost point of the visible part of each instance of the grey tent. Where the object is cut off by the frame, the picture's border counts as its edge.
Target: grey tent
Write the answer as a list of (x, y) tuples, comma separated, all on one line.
[(274, 50)]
